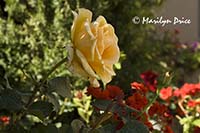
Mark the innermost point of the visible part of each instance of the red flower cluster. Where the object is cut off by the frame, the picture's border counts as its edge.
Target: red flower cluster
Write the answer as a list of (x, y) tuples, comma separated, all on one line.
[(187, 89), (149, 79), (193, 103), (111, 92), (137, 101), (157, 109)]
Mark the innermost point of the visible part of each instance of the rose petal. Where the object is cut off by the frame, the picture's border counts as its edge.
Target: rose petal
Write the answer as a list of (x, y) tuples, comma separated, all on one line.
[(85, 64)]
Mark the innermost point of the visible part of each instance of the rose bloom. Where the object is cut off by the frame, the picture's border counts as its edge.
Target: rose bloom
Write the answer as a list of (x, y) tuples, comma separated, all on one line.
[(94, 49)]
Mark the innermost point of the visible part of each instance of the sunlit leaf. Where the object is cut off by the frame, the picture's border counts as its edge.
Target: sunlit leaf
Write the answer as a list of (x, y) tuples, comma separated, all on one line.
[(196, 122)]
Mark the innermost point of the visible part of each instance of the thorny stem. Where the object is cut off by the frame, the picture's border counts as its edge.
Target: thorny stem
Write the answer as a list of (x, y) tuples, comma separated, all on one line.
[(39, 85), (166, 80), (149, 104)]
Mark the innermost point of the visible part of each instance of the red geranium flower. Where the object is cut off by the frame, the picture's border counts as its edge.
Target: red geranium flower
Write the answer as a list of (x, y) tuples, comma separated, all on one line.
[(115, 92), (111, 92), (193, 103), (187, 89), (137, 101), (139, 86), (157, 108), (166, 93), (98, 93), (149, 79)]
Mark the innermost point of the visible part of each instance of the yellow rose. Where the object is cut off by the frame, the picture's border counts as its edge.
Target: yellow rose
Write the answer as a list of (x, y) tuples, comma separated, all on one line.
[(94, 49)]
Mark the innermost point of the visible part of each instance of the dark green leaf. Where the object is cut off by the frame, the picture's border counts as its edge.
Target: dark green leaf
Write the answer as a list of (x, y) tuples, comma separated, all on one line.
[(77, 125), (10, 100), (41, 109), (108, 128), (102, 104), (60, 85), (65, 128), (40, 128), (54, 100), (134, 126)]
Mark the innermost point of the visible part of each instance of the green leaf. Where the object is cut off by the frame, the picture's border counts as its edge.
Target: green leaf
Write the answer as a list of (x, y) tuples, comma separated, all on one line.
[(41, 109), (102, 104), (60, 85), (134, 126), (40, 128), (54, 100), (196, 122), (65, 128), (77, 125), (116, 108), (108, 128), (10, 100)]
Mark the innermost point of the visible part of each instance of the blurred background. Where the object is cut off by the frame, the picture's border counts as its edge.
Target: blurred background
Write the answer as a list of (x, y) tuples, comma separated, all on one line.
[(184, 8)]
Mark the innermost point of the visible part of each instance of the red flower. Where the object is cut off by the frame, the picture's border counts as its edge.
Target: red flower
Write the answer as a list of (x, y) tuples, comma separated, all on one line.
[(111, 92), (157, 108), (193, 103), (137, 101), (166, 93), (139, 86), (115, 92), (5, 119), (177, 93), (149, 79), (98, 93), (187, 89)]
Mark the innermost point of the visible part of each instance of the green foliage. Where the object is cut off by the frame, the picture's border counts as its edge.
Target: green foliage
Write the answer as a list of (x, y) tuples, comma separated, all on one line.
[(196, 122), (61, 86), (10, 100), (137, 128), (83, 104), (33, 35), (41, 109), (188, 123)]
